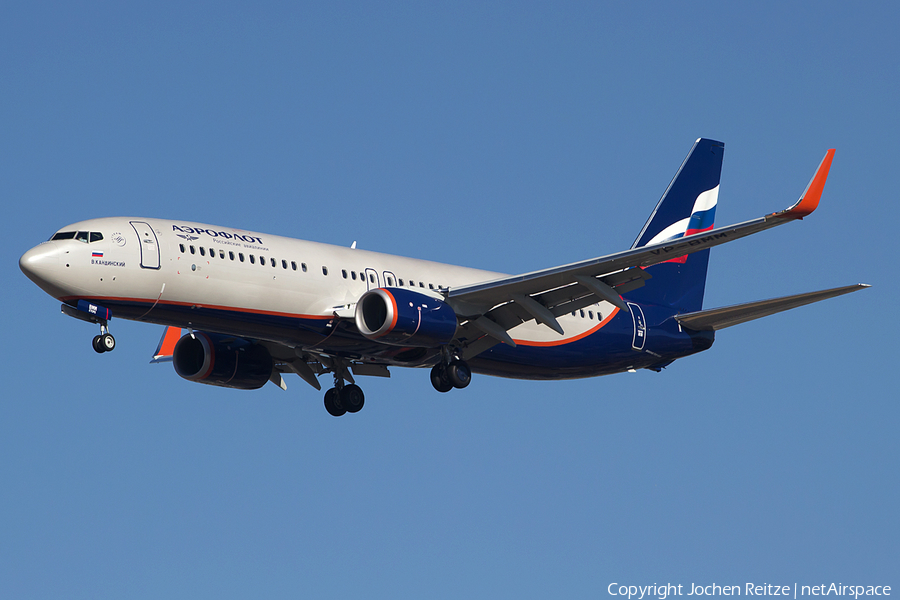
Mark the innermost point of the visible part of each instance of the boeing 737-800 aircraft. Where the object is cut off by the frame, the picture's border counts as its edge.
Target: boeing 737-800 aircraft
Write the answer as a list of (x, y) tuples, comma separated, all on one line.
[(258, 306)]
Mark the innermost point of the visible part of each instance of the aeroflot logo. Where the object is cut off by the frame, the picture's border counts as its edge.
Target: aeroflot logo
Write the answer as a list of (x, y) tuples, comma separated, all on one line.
[(218, 234)]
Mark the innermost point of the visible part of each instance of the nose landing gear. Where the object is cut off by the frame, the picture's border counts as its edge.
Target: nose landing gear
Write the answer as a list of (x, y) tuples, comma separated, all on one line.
[(93, 313), (104, 342)]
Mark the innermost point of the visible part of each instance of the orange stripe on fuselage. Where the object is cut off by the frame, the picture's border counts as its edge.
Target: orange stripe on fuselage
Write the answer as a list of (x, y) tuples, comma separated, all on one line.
[(200, 305), (571, 339)]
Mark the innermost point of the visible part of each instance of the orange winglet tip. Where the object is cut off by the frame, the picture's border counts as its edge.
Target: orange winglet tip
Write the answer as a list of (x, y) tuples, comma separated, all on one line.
[(167, 342), (809, 201)]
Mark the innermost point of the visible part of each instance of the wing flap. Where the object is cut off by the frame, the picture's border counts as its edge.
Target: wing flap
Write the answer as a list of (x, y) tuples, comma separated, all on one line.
[(720, 318)]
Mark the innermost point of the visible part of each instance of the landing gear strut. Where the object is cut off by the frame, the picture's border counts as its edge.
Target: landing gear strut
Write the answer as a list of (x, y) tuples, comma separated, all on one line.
[(455, 374)]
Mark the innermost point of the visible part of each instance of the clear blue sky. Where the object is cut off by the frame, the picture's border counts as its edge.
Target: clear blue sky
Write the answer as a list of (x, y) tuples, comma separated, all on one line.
[(508, 136)]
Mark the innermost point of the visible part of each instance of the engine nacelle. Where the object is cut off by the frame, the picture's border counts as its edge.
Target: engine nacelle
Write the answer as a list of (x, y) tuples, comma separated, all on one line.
[(402, 317), (222, 360)]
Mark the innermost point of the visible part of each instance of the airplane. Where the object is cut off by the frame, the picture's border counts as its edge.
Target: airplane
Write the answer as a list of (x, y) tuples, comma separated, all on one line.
[(258, 306)]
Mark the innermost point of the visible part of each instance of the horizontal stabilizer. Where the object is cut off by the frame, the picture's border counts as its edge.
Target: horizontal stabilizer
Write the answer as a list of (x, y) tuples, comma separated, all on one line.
[(720, 318)]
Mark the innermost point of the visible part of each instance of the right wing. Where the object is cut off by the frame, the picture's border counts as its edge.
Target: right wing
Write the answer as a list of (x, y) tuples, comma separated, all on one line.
[(494, 307)]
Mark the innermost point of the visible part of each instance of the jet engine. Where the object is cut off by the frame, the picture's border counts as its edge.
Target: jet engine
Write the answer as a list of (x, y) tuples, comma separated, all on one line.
[(402, 317), (222, 360)]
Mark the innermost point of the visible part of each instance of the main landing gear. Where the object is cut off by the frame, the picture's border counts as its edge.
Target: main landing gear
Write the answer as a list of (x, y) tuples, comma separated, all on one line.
[(343, 399), (104, 342), (455, 374)]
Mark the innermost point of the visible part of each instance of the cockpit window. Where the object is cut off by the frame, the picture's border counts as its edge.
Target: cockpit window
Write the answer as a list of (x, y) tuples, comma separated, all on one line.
[(81, 236)]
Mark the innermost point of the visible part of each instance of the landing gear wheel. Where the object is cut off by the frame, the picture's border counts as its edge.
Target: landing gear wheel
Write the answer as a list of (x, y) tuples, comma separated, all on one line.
[(352, 398), (439, 379), (333, 403), (107, 342), (98, 347), (459, 374)]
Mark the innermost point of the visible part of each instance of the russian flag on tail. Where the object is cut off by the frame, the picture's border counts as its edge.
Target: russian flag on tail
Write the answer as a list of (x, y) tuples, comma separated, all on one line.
[(688, 206), (703, 217)]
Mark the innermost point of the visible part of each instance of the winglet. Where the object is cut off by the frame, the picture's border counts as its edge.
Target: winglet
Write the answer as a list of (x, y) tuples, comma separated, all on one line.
[(809, 201), (166, 345)]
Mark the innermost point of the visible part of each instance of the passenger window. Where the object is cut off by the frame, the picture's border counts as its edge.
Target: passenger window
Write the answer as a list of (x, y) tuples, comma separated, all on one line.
[(303, 266), (82, 236), (591, 314), (272, 261), (430, 286), (252, 260), (400, 281), (230, 255), (283, 264), (222, 255), (390, 280), (582, 314), (96, 236), (212, 252), (344, 273), (324, 270), (192, 250), (371, 278), (421, 285), (202, 251), (293, 265), (181, 247), (241, 256), (353, 275), (262, 260)]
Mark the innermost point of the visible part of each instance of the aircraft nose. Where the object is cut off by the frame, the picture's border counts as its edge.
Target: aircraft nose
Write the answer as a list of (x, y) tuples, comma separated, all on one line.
[(40, 262)]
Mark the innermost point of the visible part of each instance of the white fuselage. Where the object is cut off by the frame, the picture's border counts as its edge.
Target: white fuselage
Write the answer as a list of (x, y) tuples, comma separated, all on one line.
[(156, 263)]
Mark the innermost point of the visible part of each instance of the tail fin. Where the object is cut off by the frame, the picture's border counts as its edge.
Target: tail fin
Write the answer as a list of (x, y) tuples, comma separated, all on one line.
[(688, 206)]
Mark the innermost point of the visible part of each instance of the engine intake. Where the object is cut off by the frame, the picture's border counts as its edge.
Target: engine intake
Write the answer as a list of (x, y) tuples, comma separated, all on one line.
[(402, 317), (222, 360)]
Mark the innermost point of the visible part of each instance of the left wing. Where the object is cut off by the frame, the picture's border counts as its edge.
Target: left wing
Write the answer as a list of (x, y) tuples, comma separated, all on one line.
[(494, 307)]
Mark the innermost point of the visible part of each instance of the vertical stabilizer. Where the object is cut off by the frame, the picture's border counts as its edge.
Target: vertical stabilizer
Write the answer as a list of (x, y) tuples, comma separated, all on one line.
[(688, 206)]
